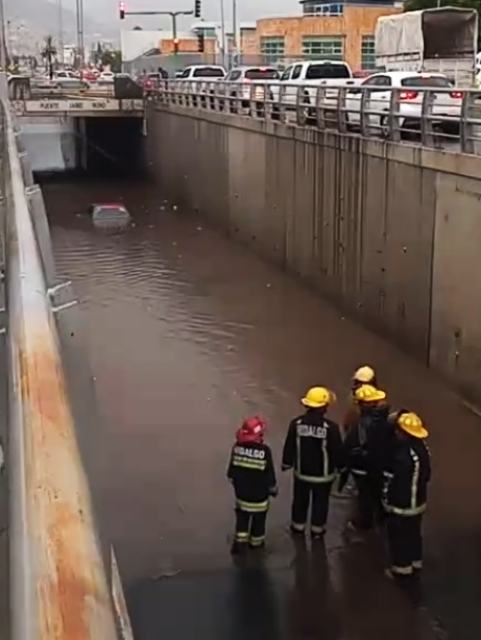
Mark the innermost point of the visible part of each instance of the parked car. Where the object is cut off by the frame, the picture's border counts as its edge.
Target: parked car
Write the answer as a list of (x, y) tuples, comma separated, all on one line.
[(446, 103), (198, 78), (150, 81), (241, 80), (71, 84), (311, 74), (202, 72), (107, 75), (90, 75), (66, 74)]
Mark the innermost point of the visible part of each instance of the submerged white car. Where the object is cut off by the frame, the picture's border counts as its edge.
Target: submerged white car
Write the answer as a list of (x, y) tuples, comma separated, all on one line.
[(109, 213)]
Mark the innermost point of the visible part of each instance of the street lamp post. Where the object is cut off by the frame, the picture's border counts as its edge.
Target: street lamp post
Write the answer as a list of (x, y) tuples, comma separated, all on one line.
[(222, 31), (234, 28), (3, 38), (80, 31), (60, 31)]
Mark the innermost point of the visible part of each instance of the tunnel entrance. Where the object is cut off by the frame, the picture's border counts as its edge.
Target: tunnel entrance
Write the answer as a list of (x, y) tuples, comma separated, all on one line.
[(110, 146)]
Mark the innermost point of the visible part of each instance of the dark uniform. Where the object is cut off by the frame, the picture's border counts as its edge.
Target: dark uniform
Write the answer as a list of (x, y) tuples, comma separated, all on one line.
[(252, 474), (313, 447), (367, 448), (404, 499)]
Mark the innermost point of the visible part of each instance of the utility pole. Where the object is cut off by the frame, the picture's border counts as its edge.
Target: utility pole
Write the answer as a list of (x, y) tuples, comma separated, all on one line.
[(80, 32), (3, 40), (222, 31), (60, 32), (174, 32), (234, 28)]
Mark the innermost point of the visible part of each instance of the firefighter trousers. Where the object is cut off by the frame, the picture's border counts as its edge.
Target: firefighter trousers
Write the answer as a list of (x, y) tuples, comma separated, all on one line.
[(405, 543), (369, 501), (316, 495), (250, 527)]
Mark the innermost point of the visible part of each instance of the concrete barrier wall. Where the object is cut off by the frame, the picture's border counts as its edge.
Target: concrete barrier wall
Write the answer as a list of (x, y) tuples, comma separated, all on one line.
[(388, 232)]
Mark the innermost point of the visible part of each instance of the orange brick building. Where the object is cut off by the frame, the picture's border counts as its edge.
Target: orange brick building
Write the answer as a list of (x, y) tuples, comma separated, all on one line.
[(187, 45), (335, 31), (339, 30)]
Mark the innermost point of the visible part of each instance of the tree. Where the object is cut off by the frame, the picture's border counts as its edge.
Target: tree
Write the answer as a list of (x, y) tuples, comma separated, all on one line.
[(97, 54), (112, 59), (48, 54)]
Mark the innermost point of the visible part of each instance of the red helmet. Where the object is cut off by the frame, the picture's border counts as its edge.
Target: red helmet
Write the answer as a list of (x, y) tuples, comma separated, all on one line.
[(252, 431)]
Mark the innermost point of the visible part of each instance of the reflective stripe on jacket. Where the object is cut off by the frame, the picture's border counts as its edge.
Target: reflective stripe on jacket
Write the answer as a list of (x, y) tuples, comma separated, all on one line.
[(313, 448), (407, 478)]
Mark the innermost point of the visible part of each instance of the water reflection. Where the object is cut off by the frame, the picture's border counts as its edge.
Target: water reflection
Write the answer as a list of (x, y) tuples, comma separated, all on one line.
[(188, 333)]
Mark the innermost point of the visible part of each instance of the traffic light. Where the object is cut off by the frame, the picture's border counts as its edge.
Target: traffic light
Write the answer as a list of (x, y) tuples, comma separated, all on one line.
[(200, 42), (198, 8), (122, 10)]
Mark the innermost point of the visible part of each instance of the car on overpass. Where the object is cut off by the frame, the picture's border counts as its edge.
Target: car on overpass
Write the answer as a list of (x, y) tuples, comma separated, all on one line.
[(202, 72), (198, 79), (246, 83), (305, 77), (411, 85)]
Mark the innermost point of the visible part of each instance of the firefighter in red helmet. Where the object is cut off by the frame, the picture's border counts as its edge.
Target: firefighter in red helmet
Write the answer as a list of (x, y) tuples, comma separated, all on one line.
[(251, 471)]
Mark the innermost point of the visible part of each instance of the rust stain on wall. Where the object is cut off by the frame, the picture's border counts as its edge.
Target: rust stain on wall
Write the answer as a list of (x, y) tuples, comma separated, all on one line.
[(73, 602)]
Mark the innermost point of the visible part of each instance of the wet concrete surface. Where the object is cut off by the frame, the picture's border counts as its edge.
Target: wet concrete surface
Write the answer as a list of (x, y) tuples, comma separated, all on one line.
[(187, 333)]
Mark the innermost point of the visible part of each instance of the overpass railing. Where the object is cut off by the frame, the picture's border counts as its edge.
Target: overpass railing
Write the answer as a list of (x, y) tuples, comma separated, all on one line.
[(436, 116), (58, 580)]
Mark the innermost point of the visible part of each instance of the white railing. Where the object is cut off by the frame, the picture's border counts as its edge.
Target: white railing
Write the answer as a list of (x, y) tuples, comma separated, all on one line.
[(436, 116), (58, 581)]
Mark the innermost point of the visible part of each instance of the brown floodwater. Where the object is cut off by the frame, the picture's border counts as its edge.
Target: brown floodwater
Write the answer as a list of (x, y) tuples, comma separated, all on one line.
[(188, 332)]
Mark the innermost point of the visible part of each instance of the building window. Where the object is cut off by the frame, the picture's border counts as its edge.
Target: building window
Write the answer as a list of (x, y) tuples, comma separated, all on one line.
[(272, 47), (209, 32), (325, 47), (323, 8), (368, 53)]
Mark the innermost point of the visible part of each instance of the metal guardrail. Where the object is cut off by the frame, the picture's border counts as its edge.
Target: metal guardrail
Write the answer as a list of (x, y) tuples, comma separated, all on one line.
[(58, 584), (437, 116)]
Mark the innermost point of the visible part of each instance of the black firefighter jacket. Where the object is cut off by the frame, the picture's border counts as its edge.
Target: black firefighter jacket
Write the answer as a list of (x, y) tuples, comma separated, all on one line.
[(406, 478), (313, 447), (368, 443), (252, 474)]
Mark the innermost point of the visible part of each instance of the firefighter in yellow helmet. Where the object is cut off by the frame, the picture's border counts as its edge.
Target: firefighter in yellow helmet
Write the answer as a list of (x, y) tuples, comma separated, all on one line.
[(405, 495), (363, 375), (313, 449), (367, 447)]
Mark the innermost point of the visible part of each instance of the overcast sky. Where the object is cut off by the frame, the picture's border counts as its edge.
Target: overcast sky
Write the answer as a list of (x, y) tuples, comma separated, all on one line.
[(247, 9)]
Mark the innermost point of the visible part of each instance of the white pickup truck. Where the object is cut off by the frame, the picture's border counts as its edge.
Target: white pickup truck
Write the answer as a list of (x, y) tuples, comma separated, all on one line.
[(309, 75), (202, 72)]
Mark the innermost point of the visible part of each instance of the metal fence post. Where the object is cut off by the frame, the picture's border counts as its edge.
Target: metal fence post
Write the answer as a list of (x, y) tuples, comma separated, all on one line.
[(394, 132), (320, 115), (301, 115), (364, 116), (427, 131), (341, 109), (466, 126), (282, 103)]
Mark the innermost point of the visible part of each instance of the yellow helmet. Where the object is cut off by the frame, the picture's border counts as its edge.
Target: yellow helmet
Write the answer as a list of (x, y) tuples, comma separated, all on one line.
[(364, 374), (368, 393), (318, 397), (411, 423)]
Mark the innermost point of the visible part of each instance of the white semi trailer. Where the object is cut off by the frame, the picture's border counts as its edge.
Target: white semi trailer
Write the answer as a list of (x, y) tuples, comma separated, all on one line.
[(441, 40)]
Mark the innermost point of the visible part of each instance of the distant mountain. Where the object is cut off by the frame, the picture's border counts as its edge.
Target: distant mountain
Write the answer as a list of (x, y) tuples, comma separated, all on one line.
[(42, 18)]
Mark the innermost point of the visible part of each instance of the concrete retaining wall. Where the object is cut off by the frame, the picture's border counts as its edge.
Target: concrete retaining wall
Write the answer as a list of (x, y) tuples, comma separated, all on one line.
[(388, 232)]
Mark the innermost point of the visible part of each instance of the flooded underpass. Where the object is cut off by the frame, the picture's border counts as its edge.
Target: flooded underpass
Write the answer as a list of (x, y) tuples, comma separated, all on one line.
[(188, 332)]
